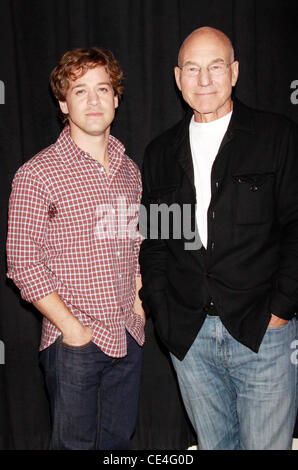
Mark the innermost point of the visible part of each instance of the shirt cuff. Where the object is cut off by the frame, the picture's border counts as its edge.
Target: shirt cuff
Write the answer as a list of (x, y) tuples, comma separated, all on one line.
[(33, 287), (282, 306)]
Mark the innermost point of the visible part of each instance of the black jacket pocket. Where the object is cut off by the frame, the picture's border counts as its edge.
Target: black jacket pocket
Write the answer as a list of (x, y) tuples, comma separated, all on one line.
[(254, 198), (163, 194)]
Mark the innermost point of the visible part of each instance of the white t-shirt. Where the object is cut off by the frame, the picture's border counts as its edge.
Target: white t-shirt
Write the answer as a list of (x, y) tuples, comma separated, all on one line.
[(205, 140)]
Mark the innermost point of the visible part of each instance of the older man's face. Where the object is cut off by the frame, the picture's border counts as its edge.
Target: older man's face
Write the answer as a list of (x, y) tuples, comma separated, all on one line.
[(208, 95)]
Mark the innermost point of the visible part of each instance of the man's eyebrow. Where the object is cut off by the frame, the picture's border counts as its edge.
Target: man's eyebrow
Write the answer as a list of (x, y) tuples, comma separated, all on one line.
[(191, 62), (219, 59), (79, 85)]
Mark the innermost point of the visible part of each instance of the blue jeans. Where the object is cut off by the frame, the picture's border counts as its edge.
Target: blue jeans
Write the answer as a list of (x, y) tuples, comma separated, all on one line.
[(235, 398), (93, 397)]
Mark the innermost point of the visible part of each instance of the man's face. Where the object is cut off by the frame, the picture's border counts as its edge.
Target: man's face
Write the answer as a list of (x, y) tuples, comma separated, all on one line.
[(209, 96), (90, 103)]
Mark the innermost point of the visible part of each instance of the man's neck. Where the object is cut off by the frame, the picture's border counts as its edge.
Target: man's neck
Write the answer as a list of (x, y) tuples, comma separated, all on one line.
[(95, 146), (214, 115)]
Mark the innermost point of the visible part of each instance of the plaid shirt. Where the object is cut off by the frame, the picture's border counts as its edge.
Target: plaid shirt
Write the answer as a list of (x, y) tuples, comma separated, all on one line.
[(58, 206)]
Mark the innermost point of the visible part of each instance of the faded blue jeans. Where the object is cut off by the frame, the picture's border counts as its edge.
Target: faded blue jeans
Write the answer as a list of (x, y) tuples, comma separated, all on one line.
[(235, 398)]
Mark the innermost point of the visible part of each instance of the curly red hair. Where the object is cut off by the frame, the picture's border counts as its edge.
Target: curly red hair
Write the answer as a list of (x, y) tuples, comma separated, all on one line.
[(75, 63)]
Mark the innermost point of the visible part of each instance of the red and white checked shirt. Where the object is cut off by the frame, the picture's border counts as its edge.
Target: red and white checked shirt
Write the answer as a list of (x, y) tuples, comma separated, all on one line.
[(58, 206)]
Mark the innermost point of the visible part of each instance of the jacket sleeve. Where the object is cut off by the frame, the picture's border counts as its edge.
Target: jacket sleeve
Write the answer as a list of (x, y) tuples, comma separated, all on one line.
[(27, 225), (153, 252), (284, 298)]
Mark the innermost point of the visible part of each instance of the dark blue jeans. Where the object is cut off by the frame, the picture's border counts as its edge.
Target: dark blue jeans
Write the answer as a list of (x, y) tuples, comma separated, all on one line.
[(93, 397)]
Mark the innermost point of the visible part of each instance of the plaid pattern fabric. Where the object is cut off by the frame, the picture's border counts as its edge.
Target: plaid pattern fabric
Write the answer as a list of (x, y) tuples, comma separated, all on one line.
[(53, 244)]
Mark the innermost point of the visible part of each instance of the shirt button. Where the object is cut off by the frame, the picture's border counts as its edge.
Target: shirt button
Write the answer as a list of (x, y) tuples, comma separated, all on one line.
[(120, 276), (118, 253)]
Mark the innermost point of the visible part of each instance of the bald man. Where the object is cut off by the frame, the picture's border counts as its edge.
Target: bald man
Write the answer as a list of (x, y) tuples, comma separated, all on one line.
[(221, 283)]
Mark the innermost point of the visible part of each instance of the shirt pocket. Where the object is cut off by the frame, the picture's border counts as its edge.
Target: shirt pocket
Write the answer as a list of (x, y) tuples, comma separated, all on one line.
[(254, 198)]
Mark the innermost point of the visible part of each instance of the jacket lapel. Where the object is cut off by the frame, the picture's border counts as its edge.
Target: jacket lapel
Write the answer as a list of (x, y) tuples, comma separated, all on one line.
[(181, 149)]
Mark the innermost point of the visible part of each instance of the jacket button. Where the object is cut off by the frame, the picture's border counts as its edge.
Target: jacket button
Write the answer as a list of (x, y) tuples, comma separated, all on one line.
[(254, 188)]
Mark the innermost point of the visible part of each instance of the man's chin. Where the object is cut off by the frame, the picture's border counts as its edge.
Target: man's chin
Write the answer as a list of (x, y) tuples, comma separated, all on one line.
[(95, 131)]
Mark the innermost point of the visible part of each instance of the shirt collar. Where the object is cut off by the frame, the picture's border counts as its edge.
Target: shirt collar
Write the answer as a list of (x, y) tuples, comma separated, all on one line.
[(71, 153)]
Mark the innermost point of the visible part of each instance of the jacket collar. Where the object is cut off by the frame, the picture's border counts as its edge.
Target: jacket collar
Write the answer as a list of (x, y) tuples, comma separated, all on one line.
[(241, 120), (181, 147)]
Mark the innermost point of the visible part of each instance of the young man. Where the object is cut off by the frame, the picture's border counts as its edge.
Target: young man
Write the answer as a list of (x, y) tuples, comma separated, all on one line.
[(71, 255), (225, 307)]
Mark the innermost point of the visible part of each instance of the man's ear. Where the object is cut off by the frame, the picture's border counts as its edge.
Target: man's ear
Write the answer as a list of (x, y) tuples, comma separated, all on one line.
[(116, 101), (63, 107), (235, 72), (177, 72)]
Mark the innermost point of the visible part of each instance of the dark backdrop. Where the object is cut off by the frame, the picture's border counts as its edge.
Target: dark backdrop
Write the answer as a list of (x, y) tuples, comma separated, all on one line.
[(145, 36)]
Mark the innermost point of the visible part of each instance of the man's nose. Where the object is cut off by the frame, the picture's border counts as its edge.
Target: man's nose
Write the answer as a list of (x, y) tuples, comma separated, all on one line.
[(204, 77), (92, 97)]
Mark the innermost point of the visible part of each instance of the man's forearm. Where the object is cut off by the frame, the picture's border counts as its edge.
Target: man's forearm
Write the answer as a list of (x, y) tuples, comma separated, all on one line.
[(55, 310)]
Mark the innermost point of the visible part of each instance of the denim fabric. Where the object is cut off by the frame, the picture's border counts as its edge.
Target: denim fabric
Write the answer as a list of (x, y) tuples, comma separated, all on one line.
[(236, 398), (93, 397)]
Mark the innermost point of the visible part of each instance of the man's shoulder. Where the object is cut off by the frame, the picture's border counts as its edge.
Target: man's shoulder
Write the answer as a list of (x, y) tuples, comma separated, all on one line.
[(268, 121), (40, 165), (131, 165), (166, 138), (116, 145)]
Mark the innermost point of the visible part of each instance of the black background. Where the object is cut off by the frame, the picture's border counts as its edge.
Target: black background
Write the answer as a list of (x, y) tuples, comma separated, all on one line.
[(145, 36)]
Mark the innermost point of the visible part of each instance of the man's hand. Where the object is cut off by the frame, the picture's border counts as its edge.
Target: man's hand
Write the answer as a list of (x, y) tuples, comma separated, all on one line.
[(140, 311), (55, 310), (138, 308), (276, 321), (79, 336)]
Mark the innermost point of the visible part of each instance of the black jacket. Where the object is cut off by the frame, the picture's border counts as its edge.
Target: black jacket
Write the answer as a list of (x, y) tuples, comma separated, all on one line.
[(250, 266)]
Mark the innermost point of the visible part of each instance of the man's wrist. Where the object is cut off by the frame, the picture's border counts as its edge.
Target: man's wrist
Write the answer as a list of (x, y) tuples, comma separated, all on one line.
[(72, 327)]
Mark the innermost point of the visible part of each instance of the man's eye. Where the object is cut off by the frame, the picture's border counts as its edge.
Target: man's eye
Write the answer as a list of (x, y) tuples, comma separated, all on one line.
[(192, 69), (80, 92), (216, 67), (103, 89)]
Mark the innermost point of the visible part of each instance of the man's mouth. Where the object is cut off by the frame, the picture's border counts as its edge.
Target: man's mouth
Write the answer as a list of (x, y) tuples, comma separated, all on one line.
[(97, 114), (206, 94)]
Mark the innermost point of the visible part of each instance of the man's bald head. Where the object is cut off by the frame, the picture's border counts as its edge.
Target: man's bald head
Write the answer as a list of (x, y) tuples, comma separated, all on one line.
[(207, 73), (206, 33)]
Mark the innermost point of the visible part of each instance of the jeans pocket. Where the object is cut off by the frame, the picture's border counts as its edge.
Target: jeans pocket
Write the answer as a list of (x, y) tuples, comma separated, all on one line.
[(74, 348)]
